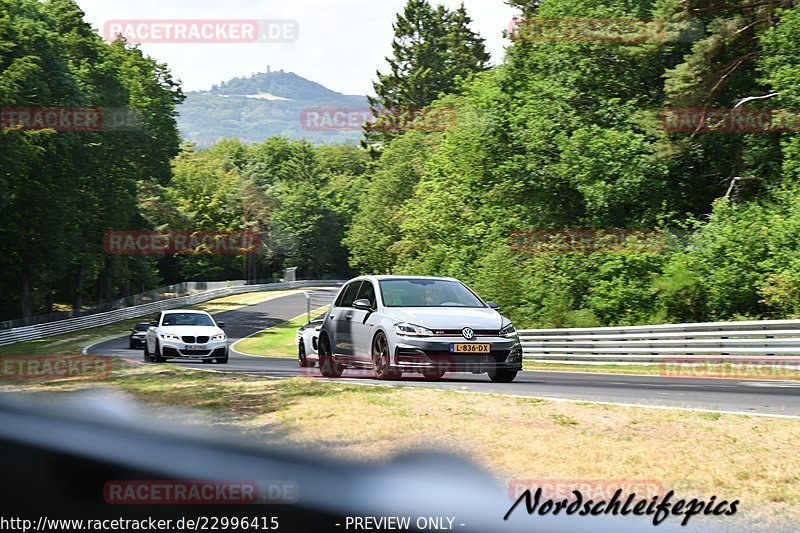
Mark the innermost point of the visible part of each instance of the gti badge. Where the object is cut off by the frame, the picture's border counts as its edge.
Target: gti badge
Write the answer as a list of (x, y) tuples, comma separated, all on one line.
[(468, 333)]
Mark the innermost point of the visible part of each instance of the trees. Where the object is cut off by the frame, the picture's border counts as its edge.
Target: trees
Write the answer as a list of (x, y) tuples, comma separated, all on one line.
[(64, 189), (376, 223), (433, 52), (295, 195), (567, 134)]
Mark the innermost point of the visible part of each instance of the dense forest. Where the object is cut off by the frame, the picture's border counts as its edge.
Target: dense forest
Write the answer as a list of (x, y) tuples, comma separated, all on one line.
[(565, 134)]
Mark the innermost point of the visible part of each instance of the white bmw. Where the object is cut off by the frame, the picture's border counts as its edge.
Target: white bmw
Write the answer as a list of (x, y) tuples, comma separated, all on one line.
[(187, 335)]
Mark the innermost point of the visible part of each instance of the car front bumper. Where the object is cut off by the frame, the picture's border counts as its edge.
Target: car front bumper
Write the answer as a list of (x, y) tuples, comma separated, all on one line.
[(210, 350), (421, 354), (137, 341)]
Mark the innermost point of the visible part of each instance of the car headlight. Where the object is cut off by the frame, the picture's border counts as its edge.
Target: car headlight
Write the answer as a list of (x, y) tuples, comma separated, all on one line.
[(410, 330), (170, 337), (220, 337), (508, 331)]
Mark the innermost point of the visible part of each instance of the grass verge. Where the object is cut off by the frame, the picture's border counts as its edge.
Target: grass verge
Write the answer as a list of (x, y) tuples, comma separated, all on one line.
[(522, 441), (728, 371), (277, 341)]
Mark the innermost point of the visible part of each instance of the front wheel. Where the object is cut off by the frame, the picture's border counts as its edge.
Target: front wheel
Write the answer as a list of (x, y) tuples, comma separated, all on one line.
[(328, 366), (502, 375), (381, 360), (156, 356), (301, 355), (147, 358)]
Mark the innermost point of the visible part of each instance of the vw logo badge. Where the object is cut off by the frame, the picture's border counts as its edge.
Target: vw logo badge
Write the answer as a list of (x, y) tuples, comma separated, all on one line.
[(468, 333)]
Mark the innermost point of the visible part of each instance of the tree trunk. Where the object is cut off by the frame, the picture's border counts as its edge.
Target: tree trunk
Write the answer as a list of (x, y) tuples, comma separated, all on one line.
[(26, 302), (77, 295), (108, 279)]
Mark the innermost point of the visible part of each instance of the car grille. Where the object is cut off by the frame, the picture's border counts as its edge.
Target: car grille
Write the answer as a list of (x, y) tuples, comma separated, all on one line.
[(457, 332), (195, 352), (446, 356), (188, 339)]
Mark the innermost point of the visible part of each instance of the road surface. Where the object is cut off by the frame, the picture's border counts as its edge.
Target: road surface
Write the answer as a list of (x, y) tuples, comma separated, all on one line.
[(746, 396)]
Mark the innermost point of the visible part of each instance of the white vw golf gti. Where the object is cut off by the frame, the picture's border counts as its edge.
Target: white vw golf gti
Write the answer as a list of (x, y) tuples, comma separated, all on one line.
[(429, 326)]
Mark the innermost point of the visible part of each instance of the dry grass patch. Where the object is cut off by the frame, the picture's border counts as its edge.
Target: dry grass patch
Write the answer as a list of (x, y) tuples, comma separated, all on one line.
[(697, 454)]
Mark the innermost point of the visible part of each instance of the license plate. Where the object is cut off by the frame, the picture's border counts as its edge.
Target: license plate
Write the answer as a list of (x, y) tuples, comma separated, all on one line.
[(194, 347), (470, 348)]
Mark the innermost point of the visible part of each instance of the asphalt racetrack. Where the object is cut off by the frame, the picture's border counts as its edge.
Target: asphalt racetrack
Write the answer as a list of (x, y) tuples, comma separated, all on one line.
[(744, 396)]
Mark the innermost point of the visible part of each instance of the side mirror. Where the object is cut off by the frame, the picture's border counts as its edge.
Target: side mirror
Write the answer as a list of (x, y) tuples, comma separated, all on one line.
[(364, 305), (220, 325), (154, 323), (493, 305)]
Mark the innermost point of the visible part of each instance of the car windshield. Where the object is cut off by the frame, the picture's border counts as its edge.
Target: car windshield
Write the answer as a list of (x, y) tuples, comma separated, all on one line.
[(187, 319), (141, 327), (427, 293)]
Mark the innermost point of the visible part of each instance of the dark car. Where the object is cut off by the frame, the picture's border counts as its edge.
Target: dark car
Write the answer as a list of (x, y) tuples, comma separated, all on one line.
[(137, 336)]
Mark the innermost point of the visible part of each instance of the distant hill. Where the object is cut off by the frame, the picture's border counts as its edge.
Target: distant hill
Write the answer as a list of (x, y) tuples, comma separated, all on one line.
[(265, 105)]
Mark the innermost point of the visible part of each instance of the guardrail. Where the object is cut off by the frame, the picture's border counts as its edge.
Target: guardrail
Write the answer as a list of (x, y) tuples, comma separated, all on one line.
[(649, 344), (39, 331), (162, 293)]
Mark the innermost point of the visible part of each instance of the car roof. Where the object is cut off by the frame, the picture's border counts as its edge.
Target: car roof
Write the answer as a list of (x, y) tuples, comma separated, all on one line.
[(173, 311), (391, 277)]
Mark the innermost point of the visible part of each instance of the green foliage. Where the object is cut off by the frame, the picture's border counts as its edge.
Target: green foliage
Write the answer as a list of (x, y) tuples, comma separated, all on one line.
[(298, 197), (376, 225), (62, 190), (433, 52), (566, 135), (743, 262)]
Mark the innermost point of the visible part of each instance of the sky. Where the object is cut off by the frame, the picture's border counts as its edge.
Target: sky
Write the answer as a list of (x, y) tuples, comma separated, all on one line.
[(341, 43)]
